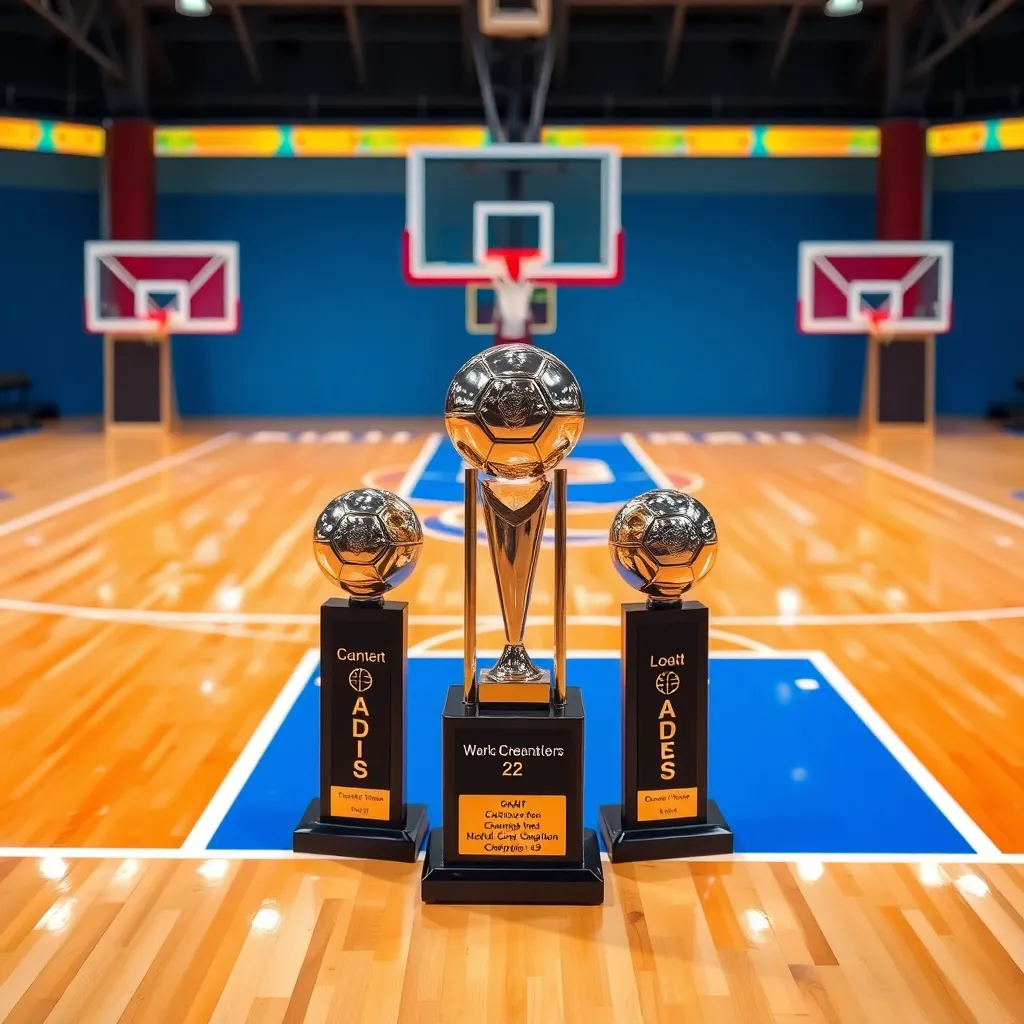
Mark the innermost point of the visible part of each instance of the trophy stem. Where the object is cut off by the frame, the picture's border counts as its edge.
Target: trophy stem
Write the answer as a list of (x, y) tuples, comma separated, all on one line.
[(514, 513), (561, 504), (469, 694)]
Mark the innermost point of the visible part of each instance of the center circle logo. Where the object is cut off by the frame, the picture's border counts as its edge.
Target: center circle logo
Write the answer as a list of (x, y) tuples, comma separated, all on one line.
[(667, 682), (360, 680)]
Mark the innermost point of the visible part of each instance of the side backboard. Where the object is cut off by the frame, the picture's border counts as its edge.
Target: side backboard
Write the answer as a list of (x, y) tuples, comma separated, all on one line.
[(562, 203), (842, 286), (129, 286)]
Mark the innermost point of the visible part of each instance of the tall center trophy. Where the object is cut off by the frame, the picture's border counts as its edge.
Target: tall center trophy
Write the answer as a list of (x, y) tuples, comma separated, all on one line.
[(513, 734), (663, 542)]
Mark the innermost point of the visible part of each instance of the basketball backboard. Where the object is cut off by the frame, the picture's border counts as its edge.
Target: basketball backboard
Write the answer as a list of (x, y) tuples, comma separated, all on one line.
[(562, 203), (131, 286), (480, 309), (844, 286)]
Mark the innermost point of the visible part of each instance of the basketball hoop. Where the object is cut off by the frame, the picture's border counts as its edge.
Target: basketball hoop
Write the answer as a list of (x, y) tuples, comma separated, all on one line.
[(877, 323), (161, 324), (516, 263)]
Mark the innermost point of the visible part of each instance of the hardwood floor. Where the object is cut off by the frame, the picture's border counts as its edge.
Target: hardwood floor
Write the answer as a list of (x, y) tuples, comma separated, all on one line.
[(155, 594), (295, 940)]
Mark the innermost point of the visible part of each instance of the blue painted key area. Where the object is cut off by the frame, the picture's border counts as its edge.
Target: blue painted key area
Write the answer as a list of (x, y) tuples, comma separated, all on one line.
[(793, 767)]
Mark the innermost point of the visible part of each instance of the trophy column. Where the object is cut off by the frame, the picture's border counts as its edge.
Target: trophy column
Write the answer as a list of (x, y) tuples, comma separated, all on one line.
[(513, 735), (367, 541), (663, 542)]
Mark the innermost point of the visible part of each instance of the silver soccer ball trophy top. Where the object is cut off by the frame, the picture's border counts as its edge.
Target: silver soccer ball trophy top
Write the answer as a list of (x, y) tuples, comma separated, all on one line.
[(514, 411), (662, 543), (367, 541)]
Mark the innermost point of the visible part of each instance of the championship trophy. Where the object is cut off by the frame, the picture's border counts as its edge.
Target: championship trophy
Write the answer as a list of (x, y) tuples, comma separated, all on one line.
[(513, 736), (662, 543), (367, 541)]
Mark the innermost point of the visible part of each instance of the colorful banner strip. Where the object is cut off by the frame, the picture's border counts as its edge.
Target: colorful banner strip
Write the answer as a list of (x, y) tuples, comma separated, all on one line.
[(311, 140), (51, 137), (827, 141), (723, 141), (976, 137)]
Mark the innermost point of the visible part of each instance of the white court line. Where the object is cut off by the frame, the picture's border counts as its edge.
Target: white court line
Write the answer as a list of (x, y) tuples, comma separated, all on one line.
[(157, 617), (885, 735), (800, 515), (209, 821), (649, 466), (418, 465), (195, 845), (431, 643), (119, 482), (989, 508), (178, 853)]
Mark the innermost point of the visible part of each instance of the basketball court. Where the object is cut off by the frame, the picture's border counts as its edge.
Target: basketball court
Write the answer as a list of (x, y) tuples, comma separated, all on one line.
[(160, 700)]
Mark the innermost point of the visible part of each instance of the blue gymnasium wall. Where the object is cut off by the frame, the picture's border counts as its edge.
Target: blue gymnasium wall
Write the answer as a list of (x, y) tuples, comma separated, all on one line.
[(703, 324), (49, 207), (978, 203)]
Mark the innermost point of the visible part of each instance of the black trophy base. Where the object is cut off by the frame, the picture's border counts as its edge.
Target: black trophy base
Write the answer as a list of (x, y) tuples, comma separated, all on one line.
[(666, 841), (577, 885), (371, 842)]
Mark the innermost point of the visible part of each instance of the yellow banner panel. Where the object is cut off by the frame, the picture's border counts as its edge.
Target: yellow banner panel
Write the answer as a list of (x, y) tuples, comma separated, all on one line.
[(220, 140), (78, 139), (952, 139), (819, 141), (20, 133), (1010, 133)]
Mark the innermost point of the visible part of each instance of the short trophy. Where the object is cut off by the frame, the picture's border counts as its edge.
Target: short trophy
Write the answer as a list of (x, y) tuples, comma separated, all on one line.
[(662, 543), (367, 541), (513, 735)]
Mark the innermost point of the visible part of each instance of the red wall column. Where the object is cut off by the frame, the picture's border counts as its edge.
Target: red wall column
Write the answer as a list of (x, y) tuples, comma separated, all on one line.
[(901, 191), (130, 180)]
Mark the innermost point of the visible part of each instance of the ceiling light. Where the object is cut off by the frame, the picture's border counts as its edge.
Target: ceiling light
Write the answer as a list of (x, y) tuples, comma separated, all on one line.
[(841, 8), (193, 8)]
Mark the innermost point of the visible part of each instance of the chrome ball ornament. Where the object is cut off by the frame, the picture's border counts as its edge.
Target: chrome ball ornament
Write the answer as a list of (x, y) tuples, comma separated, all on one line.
[(367, 541), (662, 543), (514, 411)]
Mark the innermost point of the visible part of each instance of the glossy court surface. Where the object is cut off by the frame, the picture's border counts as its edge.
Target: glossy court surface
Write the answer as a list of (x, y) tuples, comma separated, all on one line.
[(157, 603)]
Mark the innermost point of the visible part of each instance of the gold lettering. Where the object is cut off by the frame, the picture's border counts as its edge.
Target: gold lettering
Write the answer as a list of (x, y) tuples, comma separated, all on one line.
[(360, 727), (359, 770), (360, 708), (666, 730)]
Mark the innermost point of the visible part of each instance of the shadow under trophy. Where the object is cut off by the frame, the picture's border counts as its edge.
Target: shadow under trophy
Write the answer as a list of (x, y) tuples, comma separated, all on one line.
[(662, 543), (367, 541), (513, 736)]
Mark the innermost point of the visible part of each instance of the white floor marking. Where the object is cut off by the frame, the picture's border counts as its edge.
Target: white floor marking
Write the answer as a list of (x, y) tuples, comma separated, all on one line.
[(195, 845), (209, 821), (989, 508), (418, 465), (649, 466), (157, 617), (800, 515), (432, 643), (119, 482), (885, 735), (177, 853)]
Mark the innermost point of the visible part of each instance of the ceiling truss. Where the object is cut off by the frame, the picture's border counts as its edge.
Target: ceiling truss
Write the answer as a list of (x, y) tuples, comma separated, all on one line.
[(425, 60)]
